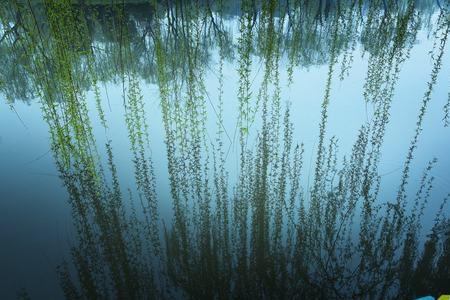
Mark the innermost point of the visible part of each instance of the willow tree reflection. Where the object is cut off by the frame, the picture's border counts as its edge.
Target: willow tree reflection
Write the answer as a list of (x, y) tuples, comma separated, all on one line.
[(265, 237)]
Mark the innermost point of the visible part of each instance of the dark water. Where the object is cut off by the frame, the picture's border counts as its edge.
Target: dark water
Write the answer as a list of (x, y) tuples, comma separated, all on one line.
[(202, 150)]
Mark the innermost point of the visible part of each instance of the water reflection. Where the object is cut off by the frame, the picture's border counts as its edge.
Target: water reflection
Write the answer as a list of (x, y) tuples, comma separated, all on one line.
[(265, 233)]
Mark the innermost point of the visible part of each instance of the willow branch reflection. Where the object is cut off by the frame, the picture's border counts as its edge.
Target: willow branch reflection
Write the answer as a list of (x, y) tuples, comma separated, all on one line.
[(265, 237)]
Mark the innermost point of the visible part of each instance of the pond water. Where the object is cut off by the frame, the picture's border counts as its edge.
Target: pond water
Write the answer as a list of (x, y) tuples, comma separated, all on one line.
[(235, 149)]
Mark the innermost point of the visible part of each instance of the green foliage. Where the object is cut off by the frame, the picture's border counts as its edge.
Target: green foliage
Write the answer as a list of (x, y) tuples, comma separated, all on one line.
[(267, 235)]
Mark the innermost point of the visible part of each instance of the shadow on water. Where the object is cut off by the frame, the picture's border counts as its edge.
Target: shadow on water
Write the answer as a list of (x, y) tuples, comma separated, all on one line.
[(267, 236)]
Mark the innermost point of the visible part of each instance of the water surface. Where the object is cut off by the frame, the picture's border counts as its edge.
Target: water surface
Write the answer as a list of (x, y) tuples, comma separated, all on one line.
[(254, 149)]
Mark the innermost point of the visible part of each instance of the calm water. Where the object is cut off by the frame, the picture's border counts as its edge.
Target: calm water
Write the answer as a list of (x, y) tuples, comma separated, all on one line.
[(254, 149)]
